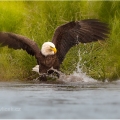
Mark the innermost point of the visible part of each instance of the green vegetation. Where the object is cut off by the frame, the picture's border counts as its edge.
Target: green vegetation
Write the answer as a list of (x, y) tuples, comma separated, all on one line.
[(38, 21)]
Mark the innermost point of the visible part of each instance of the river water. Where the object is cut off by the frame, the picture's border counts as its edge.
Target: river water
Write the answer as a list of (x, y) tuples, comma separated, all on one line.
[(78, 97)]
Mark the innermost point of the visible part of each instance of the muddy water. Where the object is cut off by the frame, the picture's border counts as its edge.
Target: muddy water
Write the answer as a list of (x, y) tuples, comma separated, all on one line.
[(69, 100)]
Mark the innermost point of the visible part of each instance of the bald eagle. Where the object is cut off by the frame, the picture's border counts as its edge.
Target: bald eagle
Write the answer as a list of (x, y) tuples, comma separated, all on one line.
[(52, 54)]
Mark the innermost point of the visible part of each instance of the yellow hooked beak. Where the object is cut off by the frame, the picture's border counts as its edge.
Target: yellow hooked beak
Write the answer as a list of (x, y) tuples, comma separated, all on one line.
[(54, 49)]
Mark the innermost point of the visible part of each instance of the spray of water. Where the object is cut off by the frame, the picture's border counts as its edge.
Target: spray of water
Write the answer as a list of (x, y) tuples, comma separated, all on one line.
[(77, 75)]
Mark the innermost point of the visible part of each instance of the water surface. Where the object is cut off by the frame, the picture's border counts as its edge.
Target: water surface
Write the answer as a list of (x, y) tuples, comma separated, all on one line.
[(70, 100)]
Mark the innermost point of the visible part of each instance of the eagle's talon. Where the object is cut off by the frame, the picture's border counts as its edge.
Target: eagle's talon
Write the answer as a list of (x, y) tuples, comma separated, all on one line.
[(43, 77), (53, 72)]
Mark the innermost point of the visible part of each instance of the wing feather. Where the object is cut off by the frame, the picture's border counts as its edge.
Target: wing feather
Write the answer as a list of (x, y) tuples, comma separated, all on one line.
[(72, 33), (16, 41)]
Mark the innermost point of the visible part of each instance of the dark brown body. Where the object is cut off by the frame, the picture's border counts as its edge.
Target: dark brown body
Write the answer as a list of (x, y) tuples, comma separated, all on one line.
[(47, 62)]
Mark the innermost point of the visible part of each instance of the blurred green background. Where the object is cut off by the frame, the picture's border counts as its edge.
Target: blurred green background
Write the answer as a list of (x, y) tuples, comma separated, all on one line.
[(38, 20)]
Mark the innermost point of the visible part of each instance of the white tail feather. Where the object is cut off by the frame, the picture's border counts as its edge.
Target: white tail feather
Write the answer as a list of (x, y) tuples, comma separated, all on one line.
[(36, 69)]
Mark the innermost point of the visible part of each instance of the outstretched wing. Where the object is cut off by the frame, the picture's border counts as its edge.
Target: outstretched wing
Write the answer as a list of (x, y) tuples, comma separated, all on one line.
[(73, 33), (16, 41)]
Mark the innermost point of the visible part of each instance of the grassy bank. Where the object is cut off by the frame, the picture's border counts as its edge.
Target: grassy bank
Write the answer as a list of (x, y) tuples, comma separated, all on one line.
[(38, 20)]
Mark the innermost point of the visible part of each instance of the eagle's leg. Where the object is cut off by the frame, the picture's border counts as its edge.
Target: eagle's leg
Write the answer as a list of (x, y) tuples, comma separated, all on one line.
[(43, 77)]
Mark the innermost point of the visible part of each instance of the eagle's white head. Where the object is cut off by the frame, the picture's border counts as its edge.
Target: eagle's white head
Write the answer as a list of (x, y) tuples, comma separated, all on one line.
[(48, 48)]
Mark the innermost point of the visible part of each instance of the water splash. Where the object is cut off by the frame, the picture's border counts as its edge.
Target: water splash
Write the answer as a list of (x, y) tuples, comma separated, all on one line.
[(77, 75)]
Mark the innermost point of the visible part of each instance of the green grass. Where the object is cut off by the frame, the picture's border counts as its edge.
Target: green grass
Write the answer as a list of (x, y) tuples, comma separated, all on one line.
[(38, 21)]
